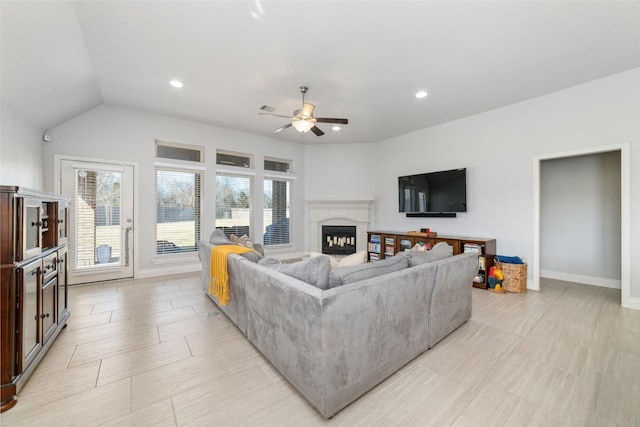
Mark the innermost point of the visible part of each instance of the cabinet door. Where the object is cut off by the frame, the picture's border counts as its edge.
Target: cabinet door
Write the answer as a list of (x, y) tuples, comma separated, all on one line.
[(405, 243), (389, 246), (63, 212), (374, 247), (48, 313), (28, 306), (32, 244), (62, 283)]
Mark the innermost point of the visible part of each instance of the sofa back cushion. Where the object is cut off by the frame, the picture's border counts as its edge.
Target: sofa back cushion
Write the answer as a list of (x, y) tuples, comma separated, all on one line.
[(345, 275), (314, 271), (439, 251)]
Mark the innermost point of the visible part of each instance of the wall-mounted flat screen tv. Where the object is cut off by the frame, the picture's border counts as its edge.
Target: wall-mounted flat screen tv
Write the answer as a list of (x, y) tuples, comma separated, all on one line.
[(433, 192)]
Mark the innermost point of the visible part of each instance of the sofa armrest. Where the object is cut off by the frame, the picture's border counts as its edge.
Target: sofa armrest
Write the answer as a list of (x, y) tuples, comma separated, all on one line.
[(204, 253), (451, 299), (236, 307)]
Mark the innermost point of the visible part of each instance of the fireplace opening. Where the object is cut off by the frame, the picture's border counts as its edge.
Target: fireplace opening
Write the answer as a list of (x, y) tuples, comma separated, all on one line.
[(338, 239)]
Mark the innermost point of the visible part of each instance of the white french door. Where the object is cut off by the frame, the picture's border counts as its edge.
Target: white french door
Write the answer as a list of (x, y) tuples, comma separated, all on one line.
[(101, 237)]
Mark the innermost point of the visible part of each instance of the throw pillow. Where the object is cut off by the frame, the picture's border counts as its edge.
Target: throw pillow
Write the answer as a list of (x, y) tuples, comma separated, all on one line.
[(244, 241), (357, 258), (252, 256), (314, 271), (439, 251), (219, 238), (346, 275)]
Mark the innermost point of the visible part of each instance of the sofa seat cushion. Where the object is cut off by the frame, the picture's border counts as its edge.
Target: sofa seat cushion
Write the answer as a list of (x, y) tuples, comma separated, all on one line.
[(439, 251), (314, 271), (345, 275)]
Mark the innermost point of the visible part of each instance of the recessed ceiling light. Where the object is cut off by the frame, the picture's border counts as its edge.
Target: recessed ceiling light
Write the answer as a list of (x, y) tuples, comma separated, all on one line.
[(421, 94), (336, 128), (176, 83)]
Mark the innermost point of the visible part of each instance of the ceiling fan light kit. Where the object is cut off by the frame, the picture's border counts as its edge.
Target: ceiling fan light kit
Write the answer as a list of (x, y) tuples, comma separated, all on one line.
[(303, 120), (303, 126)]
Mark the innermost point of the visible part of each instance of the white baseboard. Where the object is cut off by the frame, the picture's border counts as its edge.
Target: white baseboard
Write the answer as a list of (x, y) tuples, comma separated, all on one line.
[(577, 278), (168, 270), (631, 302)]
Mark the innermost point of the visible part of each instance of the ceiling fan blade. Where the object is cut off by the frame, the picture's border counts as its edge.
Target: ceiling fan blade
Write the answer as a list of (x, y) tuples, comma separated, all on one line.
[(329, 120), (307, 109), (317, 131), (275, 115), (281, 128)]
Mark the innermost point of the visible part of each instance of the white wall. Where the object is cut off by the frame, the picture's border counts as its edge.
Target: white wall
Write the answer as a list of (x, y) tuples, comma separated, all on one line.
[(340, 171), (498, 148), (580, 219), (121, 134), (21, 151)]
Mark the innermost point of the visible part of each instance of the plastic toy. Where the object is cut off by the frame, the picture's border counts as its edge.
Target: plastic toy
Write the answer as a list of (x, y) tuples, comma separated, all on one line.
[(496, 276)]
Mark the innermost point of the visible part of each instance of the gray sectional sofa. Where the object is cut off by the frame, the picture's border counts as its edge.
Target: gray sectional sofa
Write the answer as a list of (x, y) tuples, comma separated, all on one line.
[(335, 344)]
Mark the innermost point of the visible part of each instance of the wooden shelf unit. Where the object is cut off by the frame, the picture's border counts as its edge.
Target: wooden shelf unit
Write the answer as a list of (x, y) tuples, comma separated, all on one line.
[(33, 284), (383, 244)]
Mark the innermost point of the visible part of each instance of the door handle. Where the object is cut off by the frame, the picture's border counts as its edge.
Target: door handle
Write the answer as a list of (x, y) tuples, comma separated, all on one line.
[(126, 246)]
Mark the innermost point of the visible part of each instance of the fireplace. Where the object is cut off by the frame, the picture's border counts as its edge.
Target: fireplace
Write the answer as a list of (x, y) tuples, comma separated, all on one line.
[(338, 239), (338, 212)]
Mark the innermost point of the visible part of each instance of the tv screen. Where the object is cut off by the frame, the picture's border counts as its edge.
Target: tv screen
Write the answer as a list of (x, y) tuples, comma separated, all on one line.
[(433, 192)]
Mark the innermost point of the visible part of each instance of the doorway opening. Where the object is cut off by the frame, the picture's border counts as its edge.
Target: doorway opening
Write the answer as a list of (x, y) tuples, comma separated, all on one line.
[(625, 223)]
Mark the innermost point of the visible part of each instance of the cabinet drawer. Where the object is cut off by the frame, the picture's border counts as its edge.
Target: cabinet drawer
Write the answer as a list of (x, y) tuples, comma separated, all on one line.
[(49, 267)]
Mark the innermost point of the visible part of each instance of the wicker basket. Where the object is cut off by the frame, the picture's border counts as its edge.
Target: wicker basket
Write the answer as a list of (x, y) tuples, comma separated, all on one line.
[(515, 276)]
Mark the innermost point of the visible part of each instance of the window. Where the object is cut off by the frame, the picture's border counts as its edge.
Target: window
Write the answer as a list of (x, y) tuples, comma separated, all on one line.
[(234, 193), (174, 151), (228, 158), (234, 201), (277, 201), (97, 218), (178, 193)]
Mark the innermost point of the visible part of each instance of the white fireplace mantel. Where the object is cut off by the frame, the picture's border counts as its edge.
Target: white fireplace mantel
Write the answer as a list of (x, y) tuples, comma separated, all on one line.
[(338, 212)]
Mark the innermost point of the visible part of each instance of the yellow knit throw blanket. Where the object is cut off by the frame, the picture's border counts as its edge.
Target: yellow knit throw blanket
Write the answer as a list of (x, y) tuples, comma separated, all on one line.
[(218, 273)]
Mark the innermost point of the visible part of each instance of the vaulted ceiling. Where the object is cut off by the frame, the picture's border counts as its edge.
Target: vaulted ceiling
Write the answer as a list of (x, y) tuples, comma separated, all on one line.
[(363, 60)]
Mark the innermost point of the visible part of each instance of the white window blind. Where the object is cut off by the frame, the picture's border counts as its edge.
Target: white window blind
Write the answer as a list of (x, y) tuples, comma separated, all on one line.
[(234, 204), (277, 212), (278, 178), (178, 209)]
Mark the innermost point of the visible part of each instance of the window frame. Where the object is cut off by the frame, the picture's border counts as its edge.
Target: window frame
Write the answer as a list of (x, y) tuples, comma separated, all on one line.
[(161, 143), (290, 179), (238, 172), (185, 167)]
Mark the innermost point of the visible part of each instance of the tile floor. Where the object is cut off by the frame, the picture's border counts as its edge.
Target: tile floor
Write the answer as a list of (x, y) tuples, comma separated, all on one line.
[(154, 352)]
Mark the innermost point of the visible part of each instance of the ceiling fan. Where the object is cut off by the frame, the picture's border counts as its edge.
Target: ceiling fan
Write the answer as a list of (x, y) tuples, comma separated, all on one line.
[(303, 119)]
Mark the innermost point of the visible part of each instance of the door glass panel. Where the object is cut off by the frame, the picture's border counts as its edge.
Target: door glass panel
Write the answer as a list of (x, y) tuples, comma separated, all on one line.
[(32, 226), (62, 223), (97, 219), (48, 308), (30, 310)]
